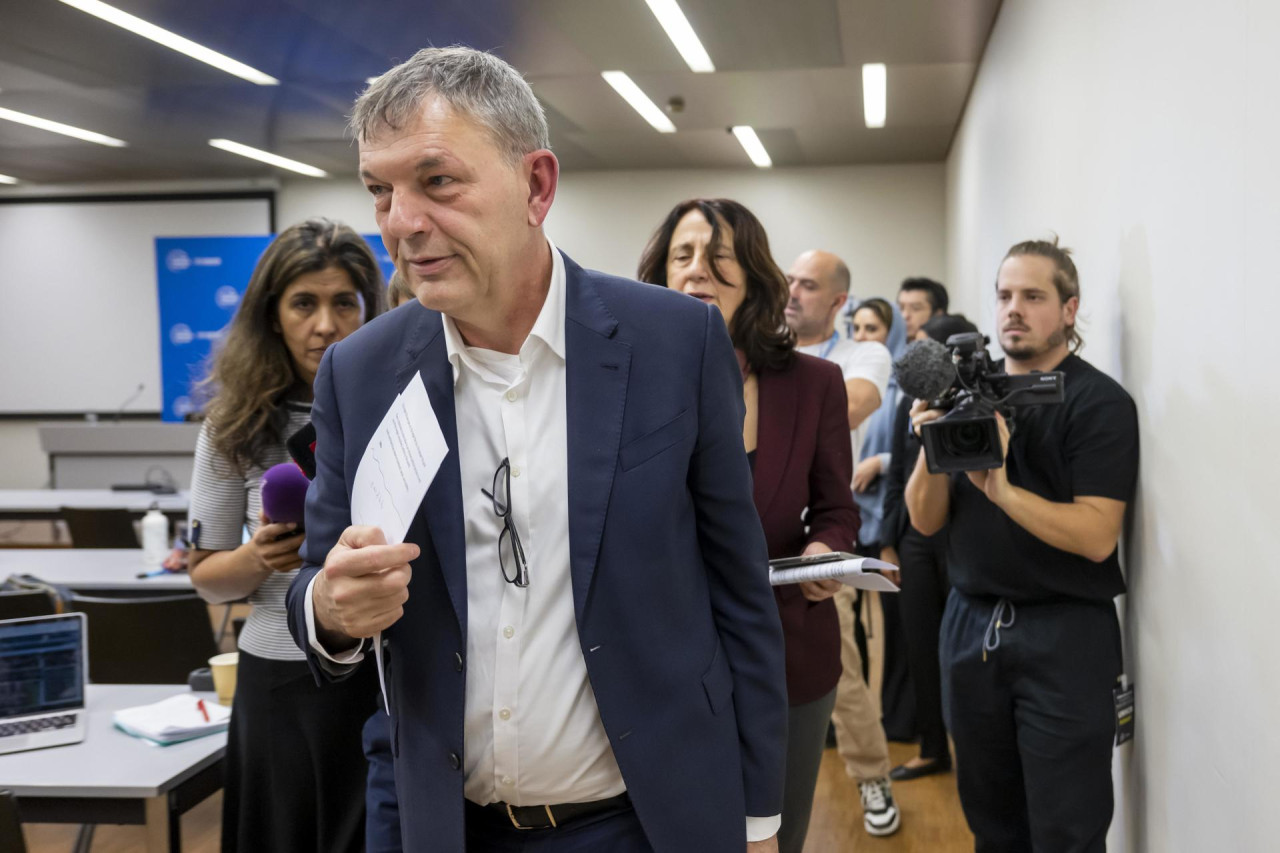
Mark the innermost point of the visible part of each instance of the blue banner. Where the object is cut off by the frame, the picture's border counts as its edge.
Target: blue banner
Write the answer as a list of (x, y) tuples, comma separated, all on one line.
[(200, 281), (380, 252)]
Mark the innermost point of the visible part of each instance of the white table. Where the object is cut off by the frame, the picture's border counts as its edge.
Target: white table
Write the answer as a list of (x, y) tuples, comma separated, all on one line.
[(90, 569), (47, 504), (111, 777)]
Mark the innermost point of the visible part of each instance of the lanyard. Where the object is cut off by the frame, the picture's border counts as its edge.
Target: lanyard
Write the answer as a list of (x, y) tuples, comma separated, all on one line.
[(829, 345)]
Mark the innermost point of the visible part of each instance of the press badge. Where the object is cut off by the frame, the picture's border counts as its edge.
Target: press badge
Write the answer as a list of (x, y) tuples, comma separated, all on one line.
[(1123, 695)]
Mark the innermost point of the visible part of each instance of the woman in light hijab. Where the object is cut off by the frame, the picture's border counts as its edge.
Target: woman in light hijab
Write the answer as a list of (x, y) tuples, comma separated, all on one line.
[(880, 321)]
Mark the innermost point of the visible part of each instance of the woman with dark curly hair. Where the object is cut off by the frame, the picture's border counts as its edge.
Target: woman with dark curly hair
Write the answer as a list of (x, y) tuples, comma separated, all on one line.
[(796, 435), (295, 774)]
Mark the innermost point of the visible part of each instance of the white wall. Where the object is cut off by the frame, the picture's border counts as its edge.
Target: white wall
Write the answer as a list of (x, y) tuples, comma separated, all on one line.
[(1147, 134), (885, 221)]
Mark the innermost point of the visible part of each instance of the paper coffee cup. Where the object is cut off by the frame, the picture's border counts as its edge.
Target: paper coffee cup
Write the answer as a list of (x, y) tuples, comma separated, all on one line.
[(224, 676)]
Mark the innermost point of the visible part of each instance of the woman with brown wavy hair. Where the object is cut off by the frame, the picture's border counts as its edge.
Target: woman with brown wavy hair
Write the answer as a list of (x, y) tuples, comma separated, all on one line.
[(796, 435), (295, 774)]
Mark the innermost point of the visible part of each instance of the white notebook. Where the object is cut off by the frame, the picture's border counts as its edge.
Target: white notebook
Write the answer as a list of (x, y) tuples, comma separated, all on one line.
[(173, 720)]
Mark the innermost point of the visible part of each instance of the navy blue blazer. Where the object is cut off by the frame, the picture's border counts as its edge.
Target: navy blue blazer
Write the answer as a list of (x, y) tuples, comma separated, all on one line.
[(674, 611)]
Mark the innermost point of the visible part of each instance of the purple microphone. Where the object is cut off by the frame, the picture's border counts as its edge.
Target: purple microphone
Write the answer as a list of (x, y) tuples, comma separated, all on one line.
[(284, 493)]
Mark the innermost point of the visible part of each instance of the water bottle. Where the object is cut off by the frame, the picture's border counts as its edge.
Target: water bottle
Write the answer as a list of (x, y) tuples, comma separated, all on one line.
[(155, 536)]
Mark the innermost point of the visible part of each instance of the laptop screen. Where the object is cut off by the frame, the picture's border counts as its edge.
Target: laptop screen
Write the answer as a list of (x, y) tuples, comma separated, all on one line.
[(41, 665)]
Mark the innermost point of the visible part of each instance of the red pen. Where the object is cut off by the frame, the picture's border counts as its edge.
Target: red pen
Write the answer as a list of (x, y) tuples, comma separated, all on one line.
[(203, 709)]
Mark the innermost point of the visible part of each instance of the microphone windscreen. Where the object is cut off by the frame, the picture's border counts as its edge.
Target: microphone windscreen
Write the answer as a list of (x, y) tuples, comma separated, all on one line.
[(284, 493), (925, 370)]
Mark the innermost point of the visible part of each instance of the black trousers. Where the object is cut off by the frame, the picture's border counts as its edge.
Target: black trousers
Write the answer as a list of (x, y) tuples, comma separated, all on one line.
[(920, 606), (295, 771), (1034, 722), (897, 689), (806, 739)]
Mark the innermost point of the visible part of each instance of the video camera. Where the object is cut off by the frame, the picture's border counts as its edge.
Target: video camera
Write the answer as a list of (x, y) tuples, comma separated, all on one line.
[(967, 437)]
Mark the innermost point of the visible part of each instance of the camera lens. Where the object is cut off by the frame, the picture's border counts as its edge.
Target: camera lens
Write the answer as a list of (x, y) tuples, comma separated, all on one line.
[(965, 439)]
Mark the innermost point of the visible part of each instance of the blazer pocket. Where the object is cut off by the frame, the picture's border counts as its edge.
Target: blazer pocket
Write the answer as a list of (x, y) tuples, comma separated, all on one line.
[(718, 681), (651, 444)]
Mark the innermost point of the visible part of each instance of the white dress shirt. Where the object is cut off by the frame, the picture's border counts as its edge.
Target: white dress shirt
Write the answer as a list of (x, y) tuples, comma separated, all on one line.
[(533, 733)]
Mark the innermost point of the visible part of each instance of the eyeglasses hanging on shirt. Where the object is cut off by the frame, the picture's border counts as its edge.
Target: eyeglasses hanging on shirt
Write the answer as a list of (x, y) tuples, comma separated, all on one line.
[(501, 498)]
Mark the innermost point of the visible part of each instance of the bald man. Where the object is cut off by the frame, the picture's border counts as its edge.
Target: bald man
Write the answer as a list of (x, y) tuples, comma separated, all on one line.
[(819, 283)]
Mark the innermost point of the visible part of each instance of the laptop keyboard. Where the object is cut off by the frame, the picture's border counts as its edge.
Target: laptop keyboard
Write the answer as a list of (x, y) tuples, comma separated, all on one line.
[(43, 724)]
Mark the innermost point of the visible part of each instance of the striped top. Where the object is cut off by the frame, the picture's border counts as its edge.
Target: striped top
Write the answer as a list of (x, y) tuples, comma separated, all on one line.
[(225, 501)]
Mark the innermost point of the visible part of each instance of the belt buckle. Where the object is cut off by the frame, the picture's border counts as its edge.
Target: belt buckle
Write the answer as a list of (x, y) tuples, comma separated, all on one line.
[(510, 814)]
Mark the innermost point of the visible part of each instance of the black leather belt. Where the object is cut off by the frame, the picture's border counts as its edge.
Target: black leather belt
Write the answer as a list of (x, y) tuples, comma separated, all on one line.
[(549, 817)]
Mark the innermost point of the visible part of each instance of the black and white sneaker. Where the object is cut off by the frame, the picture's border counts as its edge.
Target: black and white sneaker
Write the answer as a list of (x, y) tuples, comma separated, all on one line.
[(880, 814)]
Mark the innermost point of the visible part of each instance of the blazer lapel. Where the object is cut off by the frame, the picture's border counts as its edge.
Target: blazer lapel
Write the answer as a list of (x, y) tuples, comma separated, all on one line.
[(597, 367), (442, 507), (775, 425)]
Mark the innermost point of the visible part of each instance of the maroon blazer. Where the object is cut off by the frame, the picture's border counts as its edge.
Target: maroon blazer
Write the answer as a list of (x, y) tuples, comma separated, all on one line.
[(804, 460)]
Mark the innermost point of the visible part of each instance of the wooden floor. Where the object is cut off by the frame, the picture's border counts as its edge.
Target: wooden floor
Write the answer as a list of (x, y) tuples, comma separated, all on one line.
[(931, 820)]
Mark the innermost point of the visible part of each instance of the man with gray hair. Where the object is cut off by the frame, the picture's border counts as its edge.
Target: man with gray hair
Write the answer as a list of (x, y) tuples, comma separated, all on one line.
[(589, 656)]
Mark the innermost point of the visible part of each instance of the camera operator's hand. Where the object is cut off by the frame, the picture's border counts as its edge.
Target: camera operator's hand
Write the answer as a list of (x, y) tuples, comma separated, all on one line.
[(994, 483), (921, 414)]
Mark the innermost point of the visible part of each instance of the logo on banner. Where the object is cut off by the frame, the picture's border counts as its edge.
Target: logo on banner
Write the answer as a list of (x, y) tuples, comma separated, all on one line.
[(226, 296), (177, 260), (180, 333)]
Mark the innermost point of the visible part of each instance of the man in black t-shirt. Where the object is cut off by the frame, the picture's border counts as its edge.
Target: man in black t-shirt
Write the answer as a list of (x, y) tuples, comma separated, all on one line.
[(1030, 642)]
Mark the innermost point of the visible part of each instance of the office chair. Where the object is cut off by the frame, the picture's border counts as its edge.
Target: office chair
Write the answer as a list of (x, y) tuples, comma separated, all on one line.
[(20, 603), (100, 528), (156, 640), (11, 838)]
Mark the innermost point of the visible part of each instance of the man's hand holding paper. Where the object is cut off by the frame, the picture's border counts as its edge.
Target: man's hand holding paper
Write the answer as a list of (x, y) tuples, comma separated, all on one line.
[(363, 587)]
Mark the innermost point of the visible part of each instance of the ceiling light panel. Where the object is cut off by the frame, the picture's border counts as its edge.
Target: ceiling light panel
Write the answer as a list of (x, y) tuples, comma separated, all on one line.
[(173, 41), (59, 127), (671, 17), (874, 94), (639, 101), (753, 146), (268, 158)]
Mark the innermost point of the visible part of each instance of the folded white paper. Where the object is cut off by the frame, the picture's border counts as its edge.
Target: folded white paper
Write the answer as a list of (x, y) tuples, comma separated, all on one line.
[(857, 572), (398, 465)]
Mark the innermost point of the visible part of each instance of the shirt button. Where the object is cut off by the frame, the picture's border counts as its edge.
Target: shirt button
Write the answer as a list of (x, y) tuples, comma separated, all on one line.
[(505, 713), (508, 781), (515, 471), (454, 761), (508, 632), (511, 396), (457, 661)]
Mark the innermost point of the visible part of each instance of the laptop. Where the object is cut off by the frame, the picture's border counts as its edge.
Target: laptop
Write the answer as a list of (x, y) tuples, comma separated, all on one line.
[(43, 670)]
